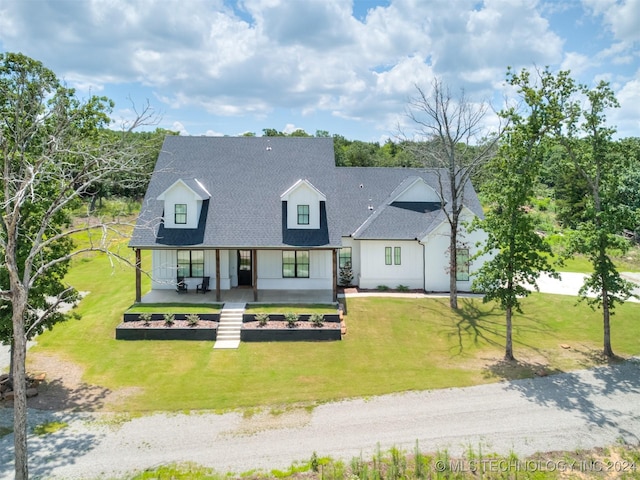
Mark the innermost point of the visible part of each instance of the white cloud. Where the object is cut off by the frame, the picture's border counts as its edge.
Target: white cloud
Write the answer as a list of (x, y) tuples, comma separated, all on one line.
[(576, 62), (179, 127), (627, 117), (251, 58), (620, 16)]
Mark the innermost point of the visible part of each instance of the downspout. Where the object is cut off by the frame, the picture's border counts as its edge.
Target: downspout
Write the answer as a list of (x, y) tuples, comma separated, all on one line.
[(424, 268), (138, 276)]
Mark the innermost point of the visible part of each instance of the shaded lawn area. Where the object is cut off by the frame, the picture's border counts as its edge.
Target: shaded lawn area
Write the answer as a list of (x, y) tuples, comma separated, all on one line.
[(392, 345)]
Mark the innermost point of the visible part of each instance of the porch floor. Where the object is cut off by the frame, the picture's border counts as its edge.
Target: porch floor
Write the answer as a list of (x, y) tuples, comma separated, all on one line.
[(240, 295)]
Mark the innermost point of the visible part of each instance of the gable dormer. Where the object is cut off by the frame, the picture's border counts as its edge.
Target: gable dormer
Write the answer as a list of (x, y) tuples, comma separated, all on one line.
[(303, 205), (183, 203), (416, 190)]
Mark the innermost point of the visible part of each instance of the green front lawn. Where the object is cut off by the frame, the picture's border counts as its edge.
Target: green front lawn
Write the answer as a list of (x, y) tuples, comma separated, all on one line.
[(392, 345)]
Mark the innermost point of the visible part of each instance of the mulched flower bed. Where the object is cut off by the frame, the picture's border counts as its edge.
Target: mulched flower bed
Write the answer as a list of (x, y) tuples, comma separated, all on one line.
[(176, 324), (159, 330), (281, 324), (279, 331)]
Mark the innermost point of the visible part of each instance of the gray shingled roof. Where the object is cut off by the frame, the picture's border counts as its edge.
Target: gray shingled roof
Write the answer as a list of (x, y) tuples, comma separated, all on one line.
[(246, 176)]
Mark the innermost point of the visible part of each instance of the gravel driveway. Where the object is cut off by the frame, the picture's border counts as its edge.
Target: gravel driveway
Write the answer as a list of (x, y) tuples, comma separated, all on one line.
[(568, 411)]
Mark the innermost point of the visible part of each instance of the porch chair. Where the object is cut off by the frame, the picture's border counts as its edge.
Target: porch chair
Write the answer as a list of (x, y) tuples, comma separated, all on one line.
[(204, 286), (181, 286)]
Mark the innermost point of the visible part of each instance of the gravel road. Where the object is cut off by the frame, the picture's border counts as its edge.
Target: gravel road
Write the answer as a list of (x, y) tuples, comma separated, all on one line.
[(567, 411)]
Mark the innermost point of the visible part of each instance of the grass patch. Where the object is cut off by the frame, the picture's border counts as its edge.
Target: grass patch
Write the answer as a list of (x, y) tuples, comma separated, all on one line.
[(301, 308), (182, 471), (392, 345), (174, 308), (4, 431), (49, 427), (396, 463), (629, 262)]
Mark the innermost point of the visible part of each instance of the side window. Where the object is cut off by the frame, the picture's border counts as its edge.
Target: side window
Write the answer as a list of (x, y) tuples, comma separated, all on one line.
[(462, 261), (344, 258), (387, 255)]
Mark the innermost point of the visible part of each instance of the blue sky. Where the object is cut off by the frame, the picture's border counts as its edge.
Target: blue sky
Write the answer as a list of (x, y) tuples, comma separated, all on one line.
[(223, 67)]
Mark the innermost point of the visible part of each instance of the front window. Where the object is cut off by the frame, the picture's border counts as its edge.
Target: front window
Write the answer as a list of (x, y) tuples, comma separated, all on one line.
[(303, 214), (295, 264), (180, 216), (462, 263), (397, 256), (387, 255), (191, 263)]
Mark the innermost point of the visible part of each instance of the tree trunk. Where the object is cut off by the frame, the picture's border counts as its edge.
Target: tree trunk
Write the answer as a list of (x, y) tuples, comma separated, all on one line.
[(608, 351), (19, 386), (453, 264), (508, 352)]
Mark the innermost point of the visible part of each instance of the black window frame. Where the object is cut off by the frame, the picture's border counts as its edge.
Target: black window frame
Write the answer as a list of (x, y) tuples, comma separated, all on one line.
[(388, 256), (397, 255), (297, 260), (182, 215), (193, 268), (344, 257), (303, 215)]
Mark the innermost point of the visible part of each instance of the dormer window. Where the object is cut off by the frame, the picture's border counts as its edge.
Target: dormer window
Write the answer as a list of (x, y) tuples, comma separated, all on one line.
[(303, 206), (303, 214), (180, 216)]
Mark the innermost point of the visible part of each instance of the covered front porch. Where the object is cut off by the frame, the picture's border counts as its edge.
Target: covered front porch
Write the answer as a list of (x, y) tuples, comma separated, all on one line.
[(244, 287), (241, 295)]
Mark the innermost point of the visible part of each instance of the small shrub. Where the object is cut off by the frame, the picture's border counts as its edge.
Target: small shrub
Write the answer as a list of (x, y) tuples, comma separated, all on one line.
[(169, 319), (313, 463), (145, 318), (291, 319), (193, 319), (382, 288), (262, 319), (317, 319), (346, 275), (402, 288)]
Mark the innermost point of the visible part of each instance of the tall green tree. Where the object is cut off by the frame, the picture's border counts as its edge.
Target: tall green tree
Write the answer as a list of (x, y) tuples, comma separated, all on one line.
[(518, 255), (53, 151), (575, 116)]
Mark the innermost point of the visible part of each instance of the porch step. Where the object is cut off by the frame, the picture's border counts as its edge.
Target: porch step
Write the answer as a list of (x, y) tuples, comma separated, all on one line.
[(230, 325)]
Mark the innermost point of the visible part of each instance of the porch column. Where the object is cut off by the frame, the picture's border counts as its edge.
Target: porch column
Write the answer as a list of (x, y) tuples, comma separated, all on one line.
[(217, 274), (335, 275), (138, 276), (254, 273)]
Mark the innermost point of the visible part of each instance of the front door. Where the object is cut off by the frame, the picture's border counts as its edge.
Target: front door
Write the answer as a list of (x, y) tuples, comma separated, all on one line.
[(244, 268)]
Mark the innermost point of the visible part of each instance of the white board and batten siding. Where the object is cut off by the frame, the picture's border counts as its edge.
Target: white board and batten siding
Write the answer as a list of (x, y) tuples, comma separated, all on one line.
[(374, 272), (436, 256), (270, 272)]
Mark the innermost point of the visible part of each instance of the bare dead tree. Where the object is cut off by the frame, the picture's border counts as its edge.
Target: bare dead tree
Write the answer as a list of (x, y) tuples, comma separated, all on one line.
[(452, 137), (53, 149)]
